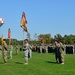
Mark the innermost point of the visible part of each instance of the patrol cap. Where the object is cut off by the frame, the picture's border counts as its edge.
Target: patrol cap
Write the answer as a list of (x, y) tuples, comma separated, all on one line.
[(26, 40), (4, 39)]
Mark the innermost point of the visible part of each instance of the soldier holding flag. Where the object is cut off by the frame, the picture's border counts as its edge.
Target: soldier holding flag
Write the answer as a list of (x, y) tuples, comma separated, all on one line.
[(10, 45), (26, 50), (25, 42), (5, 50)]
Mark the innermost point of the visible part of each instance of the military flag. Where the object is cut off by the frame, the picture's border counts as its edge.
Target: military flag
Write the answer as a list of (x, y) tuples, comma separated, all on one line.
[(23, 22), (9, 33)]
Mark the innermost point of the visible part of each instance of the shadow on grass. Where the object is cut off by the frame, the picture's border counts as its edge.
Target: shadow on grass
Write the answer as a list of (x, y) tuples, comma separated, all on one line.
[(19, 63), (51, 62), (1, 63)]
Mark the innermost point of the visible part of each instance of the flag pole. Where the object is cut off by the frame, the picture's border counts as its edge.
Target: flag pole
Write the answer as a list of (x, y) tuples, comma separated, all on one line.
[(23, 24), (23, 37), (9, 34)]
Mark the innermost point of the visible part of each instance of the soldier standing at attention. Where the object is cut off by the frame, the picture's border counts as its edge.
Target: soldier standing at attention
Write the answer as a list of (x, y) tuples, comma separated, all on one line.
[(11, 48), (0, 51), (5, 50), (42, 46), (16, 49), (26, 49)]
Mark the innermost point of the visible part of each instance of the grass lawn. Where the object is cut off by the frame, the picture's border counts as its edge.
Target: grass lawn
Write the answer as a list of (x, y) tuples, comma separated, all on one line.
[(39, 64)]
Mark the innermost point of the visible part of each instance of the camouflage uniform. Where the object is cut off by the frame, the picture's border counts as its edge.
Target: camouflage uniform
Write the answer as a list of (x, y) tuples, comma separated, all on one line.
[(0, 51), (57, 53), (5, 50), (16, 49), (26, 50), (30, 51), (11, 48), (41, 47), (61, 53)]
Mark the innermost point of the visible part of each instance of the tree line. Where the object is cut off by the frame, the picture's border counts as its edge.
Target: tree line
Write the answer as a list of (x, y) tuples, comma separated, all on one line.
[(48, 39)]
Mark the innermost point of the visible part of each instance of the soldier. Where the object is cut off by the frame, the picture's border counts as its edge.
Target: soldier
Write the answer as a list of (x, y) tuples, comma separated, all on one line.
[(11, 48), (16, 49), (0, 51), (26, 49), (42, 46), (61, 53), (5, 50), (57, 53)]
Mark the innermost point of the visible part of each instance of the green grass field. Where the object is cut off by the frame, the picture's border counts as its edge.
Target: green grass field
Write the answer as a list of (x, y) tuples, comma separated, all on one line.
[(39, 64)]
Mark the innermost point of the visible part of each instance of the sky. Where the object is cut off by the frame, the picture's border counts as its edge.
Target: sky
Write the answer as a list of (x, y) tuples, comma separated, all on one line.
[(43, 17)]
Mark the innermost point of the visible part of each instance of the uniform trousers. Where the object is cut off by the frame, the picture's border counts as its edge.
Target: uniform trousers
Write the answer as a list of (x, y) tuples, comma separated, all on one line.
[(26, 55), (30, 53), (11, 54), (5, 56)]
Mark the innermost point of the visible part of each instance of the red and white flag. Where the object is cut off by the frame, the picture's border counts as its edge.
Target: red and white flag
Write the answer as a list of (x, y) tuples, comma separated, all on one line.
[(1, 21)]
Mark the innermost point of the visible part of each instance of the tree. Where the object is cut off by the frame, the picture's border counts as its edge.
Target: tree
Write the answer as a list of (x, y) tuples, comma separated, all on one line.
[(46, 37), (28, 36), (35, 36), (58, 37), (69, 39)]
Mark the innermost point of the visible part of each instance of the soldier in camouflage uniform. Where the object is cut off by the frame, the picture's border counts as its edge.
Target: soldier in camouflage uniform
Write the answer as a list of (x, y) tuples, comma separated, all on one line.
[(57, 53), (16, 49), (42, 46), (61, 50), (26, 50), (0, 51), (11, 48), (5, 50)]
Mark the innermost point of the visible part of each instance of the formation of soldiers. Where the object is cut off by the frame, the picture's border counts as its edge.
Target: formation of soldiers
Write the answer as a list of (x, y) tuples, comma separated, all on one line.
[(27, 49), (4, 51)]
